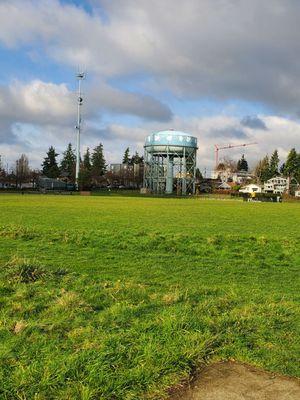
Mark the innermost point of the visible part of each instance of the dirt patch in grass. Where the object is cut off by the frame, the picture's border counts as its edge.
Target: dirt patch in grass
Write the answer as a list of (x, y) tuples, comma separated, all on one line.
[(235, 381)]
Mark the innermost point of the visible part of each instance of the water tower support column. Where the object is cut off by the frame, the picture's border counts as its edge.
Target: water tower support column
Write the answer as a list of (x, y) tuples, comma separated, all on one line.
[(170, 174), (183, 176)]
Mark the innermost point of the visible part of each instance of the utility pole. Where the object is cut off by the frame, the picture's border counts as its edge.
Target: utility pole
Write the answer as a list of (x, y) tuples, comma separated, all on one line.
[(80, 76)]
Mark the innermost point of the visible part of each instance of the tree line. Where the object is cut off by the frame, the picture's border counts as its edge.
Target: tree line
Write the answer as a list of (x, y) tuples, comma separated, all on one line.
[(267, 167), (93, 167)]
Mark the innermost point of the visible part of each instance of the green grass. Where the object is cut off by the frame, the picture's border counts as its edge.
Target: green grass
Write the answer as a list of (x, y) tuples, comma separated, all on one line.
[(121, 298)]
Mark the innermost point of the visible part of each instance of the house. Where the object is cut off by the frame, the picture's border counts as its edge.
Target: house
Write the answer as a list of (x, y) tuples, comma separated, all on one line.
[(252, 188), (277, 185), (242, 177), (228, 175), (297, 193), (223, 174), (207, 185), (227, 186)]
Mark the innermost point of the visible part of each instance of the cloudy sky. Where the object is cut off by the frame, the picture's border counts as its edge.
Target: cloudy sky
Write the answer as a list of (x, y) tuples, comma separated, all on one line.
[(227, 71)]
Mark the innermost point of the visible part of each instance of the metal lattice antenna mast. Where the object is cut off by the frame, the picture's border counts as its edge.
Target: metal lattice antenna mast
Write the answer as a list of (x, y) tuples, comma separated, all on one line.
[(80, 76)]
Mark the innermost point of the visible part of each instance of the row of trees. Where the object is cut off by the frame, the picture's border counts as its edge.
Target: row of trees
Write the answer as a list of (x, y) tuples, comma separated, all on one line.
[(233, 166), (93, 162), (93, 167), (19, 174), (268, 168), (130, 160)]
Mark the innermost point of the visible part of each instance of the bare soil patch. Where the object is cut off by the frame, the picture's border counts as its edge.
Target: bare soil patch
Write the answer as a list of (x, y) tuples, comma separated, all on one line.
[(235, 381)]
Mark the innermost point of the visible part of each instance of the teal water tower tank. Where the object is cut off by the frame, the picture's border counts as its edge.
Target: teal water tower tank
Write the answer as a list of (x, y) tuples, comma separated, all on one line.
[(170, 162)]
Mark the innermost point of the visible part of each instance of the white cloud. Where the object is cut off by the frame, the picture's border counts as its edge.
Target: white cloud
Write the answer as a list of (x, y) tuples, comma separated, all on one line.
[(45, 99), (104, 97), (36, 101), (280, 133), (221, 49), (51, 109)]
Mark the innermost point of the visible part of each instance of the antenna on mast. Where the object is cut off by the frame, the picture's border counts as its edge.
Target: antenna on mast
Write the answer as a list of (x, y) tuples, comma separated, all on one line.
[(79, 76)]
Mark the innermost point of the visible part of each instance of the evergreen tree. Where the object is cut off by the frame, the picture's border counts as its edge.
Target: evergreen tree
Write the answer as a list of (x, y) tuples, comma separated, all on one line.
[(68, 163), (136, 159), (242, 164), (87, 160), (282, 168), (49, 166), (274, 163), (292, 164), (85, 173), (297, 174), (198, 175), (262, 170), (126, 157), (98, 161)]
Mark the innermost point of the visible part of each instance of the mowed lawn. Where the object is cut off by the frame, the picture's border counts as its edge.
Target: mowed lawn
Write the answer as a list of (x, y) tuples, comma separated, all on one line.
[(122, 298)]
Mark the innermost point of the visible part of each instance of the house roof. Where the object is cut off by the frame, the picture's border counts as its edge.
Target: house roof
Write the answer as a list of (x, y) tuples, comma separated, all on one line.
[(224, 185), (276, 177)]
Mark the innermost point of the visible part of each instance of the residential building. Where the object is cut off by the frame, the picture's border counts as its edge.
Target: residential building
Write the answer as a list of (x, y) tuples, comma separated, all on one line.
[(252, 188), (238, 177), (276, 185), (242, 177)]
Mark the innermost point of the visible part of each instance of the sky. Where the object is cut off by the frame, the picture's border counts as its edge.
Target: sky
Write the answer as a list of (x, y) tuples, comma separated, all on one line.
[(225, 71)]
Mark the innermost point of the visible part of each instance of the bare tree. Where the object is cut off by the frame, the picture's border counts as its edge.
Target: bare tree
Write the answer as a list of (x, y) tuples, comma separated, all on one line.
[(22, 171)]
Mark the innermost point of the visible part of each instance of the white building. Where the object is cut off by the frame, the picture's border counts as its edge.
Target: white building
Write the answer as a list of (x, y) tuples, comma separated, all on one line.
[(297, 193), (227, 175), (276, 185), (252, 188), (242, 177), (222, 174)]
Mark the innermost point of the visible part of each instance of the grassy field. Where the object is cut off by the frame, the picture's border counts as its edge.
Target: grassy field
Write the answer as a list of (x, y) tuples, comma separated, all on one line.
[(121, 298)]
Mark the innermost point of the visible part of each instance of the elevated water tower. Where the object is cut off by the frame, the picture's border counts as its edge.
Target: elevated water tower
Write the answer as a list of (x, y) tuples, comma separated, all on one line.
[(170, 162)]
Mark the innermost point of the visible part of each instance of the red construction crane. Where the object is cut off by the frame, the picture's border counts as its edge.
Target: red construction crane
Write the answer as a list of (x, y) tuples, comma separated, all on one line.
[(229, 146)]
